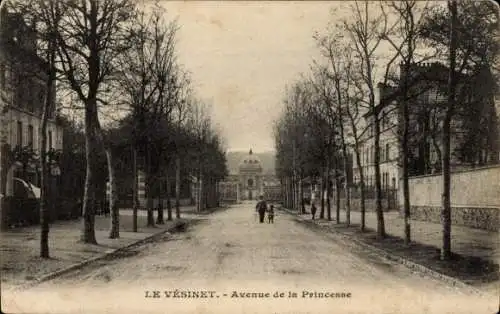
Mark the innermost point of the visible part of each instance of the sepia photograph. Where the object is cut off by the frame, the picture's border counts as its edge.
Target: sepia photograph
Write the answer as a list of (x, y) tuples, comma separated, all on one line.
[(285, 157)]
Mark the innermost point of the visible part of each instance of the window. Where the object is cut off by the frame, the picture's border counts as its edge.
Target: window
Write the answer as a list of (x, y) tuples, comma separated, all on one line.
[(49, 140), (387, 152), (30, 136), (19, 133)]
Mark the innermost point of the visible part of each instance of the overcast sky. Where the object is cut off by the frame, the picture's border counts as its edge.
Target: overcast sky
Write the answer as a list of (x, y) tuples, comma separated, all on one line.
[(242, 55)]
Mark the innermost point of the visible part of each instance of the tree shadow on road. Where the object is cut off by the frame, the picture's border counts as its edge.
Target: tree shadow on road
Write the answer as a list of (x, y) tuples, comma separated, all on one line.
[(473, 270)]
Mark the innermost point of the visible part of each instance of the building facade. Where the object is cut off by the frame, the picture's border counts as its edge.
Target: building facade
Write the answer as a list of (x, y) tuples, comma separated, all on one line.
[(474, 127), (389, 150), (22, 94), (249, 183)]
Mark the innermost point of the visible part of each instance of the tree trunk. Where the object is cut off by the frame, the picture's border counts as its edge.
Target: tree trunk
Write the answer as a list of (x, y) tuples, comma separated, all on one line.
[(205, 193), (362, 188), (114, 232), (208, 194), (214, 193), (44, 209), (134, 190), (177, 187), (446, 199), (149, 188), (347, 189), (160, 215), (345, 160), (200, 192), (284, 192), (289, 192), (378, 184), (404, 148), (337, 199), (322, 191), (4, 168), (160, 218), (88, 232), (297, 193), (44, 180), (301, 197), (169, 201), (328, 203)]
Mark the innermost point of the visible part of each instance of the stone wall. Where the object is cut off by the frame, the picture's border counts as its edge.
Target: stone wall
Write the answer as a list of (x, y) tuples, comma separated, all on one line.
[(370, 204), (475, 197), (475, 217), (478, 187)]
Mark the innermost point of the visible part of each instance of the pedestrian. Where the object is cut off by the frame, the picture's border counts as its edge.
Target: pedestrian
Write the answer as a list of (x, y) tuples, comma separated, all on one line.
[(261, 208), (270, 215), (313, 210)]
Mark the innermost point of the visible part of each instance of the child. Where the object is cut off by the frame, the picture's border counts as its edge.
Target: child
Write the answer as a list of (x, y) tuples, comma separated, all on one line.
[(270, 214)]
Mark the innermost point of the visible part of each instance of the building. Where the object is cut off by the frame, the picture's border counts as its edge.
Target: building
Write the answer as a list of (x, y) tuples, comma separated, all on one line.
[(250, 182), (389, 149), (250, 177), (474, 126), (474, 132), (23, 92)]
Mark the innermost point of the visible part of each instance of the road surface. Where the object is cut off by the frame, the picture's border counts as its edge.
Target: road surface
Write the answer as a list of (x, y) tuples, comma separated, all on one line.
[(229, 263)]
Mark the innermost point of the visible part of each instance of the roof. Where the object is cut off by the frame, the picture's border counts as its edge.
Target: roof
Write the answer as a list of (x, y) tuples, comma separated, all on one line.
[(250, 163)]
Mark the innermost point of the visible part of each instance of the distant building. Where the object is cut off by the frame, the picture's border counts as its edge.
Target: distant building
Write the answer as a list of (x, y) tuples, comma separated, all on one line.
[(250, 182), (22, 95)]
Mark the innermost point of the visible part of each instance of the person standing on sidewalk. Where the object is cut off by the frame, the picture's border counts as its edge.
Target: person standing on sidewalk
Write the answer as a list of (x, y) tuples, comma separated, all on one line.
[(313, 210), (261, 208)]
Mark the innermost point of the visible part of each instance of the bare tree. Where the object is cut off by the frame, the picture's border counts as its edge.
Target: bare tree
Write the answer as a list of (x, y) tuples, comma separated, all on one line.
[(182, 110), (90, 39), (327, 102), (408, 18), (339, 70), (466, 34), (446, 133), (363, 32), (147, 77)]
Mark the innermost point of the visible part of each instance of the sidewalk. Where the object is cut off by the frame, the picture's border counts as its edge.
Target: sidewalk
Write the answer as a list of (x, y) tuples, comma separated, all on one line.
[(476, 252), (19, 248), (464, 240)]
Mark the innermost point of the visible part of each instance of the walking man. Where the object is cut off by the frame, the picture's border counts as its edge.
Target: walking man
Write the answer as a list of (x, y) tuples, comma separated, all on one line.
[(261, 208)]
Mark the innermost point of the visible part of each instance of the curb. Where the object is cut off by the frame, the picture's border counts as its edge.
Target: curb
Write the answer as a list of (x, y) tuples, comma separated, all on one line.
[(392, 257), (86, 262)]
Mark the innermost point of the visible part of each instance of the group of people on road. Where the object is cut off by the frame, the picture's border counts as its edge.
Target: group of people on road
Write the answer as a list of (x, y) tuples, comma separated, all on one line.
[(262, 208)]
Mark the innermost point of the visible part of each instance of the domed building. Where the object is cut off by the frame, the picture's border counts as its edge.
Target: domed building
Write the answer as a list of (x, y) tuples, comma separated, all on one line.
[(250, 177)]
